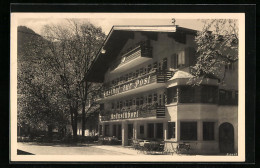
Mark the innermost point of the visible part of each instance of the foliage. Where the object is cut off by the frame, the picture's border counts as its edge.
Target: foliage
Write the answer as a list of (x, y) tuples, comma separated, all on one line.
[(53, 80), (217, 46), (38, 103)]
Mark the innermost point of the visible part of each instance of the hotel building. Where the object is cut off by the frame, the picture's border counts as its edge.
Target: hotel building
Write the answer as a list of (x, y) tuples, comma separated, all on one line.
[(149, 94)]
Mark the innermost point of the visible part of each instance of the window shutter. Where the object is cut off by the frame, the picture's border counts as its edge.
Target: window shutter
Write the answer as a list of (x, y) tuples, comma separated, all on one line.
[(174, 61)]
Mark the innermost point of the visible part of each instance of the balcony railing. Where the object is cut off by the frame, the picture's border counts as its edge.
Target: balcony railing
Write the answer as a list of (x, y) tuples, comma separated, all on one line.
[(142, 49), (142, 80), (142, 111)]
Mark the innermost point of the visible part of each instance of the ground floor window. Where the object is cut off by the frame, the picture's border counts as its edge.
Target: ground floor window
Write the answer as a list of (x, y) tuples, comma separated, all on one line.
[(141, 129), (106, 130), (171, 130), (130, 131), (159, 130), (114, 130), (208, 131), (150, 130), (119, 133), (100, 129), (188, 130)]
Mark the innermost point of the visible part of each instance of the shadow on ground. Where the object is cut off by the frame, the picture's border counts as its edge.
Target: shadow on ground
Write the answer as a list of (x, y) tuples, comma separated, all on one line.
[(20, 152), (61, 144)]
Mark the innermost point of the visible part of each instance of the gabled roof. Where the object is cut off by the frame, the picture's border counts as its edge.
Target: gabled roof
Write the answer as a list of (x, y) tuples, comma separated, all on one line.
[(116, 40)]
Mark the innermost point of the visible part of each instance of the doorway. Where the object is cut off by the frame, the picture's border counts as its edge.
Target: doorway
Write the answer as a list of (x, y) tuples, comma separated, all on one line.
[(226, 138), (130, 134)]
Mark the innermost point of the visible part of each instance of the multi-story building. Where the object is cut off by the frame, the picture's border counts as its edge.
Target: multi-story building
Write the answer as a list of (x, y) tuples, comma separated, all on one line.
[(148, 90)]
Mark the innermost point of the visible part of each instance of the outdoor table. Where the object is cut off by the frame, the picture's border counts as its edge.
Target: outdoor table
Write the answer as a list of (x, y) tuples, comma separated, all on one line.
[(170, 146), (142, 144), (175, 147)]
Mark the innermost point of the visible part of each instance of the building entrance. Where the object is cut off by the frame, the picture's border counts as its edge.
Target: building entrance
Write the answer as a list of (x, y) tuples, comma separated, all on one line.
[(159, 130), (130, 134), (226, 138)]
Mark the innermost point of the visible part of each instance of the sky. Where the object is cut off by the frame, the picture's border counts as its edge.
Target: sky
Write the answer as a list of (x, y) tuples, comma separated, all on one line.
[(106, 23)]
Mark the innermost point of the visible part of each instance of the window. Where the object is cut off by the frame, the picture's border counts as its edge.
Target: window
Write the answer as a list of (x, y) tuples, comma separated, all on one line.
[(141, 129), (208, 131), (141, 100), (145, 99), (155, 97), (236, 97), (171, 130), (114, 130), (164, 64), (130, 102), (229, 66), (141, 71), (188, 131), (171, 95), (159, 130), (137, 73), (164, 98), (137, 101), (126, 103), (155, 66), (119, 132), (151, 130), (120, 104), (130, 76), (117, 105), (112, 105), (178, 60), (160, 66), (228, 97), (181, 58), (187, 94), (209, 94), (106, 130), (100, 129), (102, 106), (160, 100), (149, 67), (150, 99)]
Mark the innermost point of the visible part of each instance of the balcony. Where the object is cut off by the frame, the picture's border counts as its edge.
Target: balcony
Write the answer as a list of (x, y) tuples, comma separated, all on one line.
[(142, 111), (152, 80), (136, 55)]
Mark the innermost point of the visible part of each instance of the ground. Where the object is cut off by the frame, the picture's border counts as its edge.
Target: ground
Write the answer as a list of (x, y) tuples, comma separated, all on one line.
[(79, 149)]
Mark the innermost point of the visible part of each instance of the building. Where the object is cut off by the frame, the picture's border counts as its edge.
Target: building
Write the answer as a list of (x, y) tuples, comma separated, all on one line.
[(148, 92)]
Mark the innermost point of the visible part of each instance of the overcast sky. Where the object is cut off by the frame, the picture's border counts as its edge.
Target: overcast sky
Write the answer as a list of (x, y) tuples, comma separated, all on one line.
[(107, 23)]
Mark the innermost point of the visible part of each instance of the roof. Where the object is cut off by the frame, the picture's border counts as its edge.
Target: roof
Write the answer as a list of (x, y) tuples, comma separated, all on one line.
[(116, 40), (181, 75)]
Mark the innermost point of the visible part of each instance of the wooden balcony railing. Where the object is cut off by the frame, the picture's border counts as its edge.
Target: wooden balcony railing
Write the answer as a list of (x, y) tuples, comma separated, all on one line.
[(141, 49), (142, 111), (142, 80)]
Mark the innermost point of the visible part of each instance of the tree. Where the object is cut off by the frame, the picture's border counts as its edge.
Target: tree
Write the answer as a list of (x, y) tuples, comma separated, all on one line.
[(217, 46), (38, 103), (68, 52)]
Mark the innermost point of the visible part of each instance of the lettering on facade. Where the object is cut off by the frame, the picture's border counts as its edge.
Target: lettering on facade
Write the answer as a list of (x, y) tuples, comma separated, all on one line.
[(125, 115), (125, 87)]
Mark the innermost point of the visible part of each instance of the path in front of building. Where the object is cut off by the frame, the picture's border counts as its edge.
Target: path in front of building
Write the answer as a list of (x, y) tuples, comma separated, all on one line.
[(82, 149)]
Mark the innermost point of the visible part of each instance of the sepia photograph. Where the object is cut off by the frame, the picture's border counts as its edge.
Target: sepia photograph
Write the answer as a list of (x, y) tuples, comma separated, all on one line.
[(127, 87)]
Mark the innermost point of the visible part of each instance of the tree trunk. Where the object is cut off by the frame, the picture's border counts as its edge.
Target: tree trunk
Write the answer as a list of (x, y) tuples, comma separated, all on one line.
[(84, 110), (74, 120), (83, 119)]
